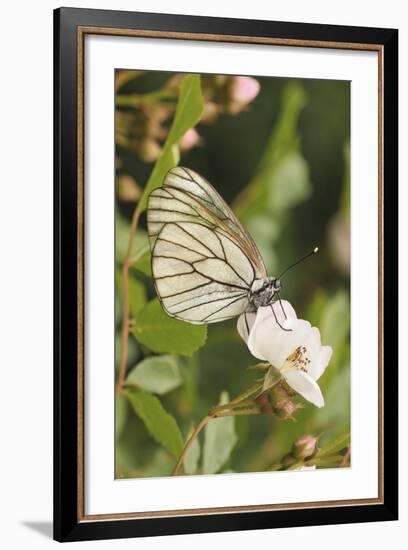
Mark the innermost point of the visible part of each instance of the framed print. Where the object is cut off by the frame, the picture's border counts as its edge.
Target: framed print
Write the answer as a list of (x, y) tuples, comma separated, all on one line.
[(225, 274)]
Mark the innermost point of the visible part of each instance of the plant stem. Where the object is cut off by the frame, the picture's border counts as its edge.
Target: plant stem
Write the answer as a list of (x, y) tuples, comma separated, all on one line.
[(190, 441), (126, 308), (231, 405), (247, 393), (215, 413), (135, 100)]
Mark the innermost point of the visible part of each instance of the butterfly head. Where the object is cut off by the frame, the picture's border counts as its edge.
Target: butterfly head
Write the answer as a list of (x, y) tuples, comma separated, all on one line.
[(263, 291)]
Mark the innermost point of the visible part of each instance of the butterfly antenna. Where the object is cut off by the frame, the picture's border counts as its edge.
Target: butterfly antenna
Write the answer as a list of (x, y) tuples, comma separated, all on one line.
[(316, 249)]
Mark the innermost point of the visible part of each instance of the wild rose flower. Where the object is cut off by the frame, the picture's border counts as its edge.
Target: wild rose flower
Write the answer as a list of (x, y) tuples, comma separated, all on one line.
[(297, 352)]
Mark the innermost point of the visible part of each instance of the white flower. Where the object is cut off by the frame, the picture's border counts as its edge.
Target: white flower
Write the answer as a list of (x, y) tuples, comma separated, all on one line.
[(296, 352)]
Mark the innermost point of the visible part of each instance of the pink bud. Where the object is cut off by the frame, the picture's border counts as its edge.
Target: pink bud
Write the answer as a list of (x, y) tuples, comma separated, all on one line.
[(305, 446), (244, 89), (190, 139)]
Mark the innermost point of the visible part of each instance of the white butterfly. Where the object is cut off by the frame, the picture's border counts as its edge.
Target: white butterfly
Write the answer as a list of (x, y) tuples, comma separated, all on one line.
[(205, 265)]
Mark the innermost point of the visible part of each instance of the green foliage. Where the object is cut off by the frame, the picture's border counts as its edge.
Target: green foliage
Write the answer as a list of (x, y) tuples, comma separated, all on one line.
[(193, 455), (164, 334), (188, 112), (122, 232), (120, 414), (283, 163), (161, 425), (219, 441), (137, 291), (158, 374), (189, 107), (335, 445), (335, 322), (143, 263), (281, 179), (289, 184)]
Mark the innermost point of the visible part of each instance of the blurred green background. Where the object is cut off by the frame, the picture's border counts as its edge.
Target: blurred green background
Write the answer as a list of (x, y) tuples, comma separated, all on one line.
[(281, 160)]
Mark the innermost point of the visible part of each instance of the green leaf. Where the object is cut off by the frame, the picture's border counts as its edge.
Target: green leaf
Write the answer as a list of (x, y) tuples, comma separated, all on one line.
[(189, 108), (290, 182), (335, 321), (143, 263), (219, 440), (159, 374), (164, 334), (137, 291), (137, 295), (122, 233), (336, 445), (161, 425), (169, 158), (281, 158), (326, 461), (193, 455), (120, 414)]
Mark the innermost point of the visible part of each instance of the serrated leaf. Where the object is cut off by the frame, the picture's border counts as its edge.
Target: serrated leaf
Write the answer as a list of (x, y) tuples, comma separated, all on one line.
[(161, 425), (164, 334), (159, 374), (189, 108), (219, 440), (193, 455)]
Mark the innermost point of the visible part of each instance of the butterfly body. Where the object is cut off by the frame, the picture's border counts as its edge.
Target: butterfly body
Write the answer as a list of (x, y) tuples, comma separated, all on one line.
[(206, 267), (263, 292)]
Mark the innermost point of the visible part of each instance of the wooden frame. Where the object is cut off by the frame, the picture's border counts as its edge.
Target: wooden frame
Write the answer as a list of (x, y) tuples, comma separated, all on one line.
[(71, 26)]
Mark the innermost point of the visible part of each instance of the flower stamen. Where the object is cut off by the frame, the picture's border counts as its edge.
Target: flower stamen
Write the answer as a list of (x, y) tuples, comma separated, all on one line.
[(297, 360)]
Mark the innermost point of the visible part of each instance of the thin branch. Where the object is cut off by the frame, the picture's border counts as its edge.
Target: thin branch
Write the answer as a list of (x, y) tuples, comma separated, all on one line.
[(230, 406), (210, 416), (126, 307), (190, 441)]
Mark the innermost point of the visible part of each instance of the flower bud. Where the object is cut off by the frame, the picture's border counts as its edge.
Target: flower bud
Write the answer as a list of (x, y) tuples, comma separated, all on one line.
[(190, 139), (244, 89), (286, 408), (211, 111), (150, 150), (127, 188), (305, 446)]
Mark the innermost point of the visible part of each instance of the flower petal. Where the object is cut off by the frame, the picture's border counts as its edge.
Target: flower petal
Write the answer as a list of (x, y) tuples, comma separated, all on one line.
[(304, 385), (269, 341), (244, 325), (325, 355)]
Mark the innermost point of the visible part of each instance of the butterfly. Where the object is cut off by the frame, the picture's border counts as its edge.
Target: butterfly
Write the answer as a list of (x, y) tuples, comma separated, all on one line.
[(206, 267)]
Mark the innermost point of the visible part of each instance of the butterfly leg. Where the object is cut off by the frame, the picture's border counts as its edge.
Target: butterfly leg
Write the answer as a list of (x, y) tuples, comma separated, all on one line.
[(246, 324), (281, 305), (277, 321)]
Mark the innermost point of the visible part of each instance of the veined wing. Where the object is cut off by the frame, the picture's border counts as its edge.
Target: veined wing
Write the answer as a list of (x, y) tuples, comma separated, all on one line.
[(185, 196), (200, 274)]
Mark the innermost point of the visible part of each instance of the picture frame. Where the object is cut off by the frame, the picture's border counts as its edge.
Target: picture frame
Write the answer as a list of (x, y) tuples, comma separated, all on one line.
[(71, 27)]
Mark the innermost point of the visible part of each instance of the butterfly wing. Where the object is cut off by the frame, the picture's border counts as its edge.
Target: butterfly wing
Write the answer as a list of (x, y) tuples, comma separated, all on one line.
[(187, 196), (203, 260)]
